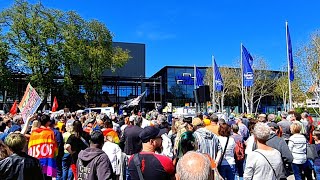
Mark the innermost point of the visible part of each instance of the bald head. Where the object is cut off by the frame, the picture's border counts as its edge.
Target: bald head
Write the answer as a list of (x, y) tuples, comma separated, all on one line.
[(195, 166)]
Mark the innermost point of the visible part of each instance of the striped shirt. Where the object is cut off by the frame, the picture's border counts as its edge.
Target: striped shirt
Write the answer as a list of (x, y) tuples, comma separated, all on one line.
[(208, 142), (298, 146)]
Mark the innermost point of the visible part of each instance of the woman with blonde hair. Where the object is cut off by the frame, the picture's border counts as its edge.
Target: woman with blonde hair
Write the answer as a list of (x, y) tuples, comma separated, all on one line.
[(298, 146)]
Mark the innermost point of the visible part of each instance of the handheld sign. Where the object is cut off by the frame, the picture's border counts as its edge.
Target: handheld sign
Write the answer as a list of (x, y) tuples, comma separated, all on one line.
[(29, 103)]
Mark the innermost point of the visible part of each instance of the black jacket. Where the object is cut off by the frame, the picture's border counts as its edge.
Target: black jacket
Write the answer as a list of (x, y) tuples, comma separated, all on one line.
[(20, 166), (130, 142)]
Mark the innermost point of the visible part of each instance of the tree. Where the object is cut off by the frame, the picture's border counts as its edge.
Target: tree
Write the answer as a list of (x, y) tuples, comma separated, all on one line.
[(50, 43), (5, 73), (88, 47), (230, 89), (35, 37), (281, 89)]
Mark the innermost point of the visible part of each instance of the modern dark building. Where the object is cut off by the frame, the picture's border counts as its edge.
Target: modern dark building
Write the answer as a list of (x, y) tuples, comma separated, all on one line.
[(178, 87)]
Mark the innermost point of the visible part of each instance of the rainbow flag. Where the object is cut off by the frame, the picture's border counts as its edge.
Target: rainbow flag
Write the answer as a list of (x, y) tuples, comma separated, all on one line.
[(43, 146), (112, 133)]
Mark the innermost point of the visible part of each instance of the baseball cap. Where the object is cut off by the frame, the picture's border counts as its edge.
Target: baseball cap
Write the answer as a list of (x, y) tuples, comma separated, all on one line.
[(150, 132), (273, 125)]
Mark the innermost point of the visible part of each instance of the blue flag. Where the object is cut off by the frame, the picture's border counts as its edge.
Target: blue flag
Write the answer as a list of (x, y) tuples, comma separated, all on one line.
[(247, 71), (217, 78), (199, 78), (290, 58)]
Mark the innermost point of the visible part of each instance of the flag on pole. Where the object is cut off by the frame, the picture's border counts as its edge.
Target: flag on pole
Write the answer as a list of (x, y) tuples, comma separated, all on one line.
[(247, 71), (217, 78), (132, 102), (290, 57), (55, 104), (199, 77), (13, 109)]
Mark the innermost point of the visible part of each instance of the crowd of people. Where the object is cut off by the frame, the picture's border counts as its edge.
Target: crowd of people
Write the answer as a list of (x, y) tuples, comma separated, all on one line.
[(152, 145)]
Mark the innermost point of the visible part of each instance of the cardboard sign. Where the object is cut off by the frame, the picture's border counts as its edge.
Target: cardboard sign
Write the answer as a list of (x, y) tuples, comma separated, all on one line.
[(29, 103)]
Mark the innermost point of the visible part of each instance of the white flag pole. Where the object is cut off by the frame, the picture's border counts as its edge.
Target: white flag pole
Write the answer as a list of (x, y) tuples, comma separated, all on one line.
[(195, 85), (242, 93), (288, 59), (213, 86)]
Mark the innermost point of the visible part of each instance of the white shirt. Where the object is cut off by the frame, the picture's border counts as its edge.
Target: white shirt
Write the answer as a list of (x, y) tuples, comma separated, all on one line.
[(228, 158), (298, 146), (145, 123), (114, 154), (166, 146), (258, 168), (249, 145)]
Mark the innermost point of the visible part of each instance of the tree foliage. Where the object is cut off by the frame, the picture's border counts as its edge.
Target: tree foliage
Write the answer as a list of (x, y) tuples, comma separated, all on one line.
[(49, 43)]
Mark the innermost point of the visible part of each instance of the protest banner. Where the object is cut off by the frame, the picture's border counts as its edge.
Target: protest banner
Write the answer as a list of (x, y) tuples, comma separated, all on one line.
[(29, 103)]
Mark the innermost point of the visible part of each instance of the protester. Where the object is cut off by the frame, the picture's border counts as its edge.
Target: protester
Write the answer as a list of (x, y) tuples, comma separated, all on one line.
[(213, 127), (227, 164), (285, 125), (194, 166), (93, 163), (19, 165), (147, 163), (113, 152), (298, 146), (239, 142), (4, 151), (264, 162), (243, 130), (316, 136), (208, 143), (66, 159), (130, 142), (43, 139), (75, 143)]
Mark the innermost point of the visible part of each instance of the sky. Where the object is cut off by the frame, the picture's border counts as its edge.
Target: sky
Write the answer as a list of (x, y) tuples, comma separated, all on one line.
[(188, 33)]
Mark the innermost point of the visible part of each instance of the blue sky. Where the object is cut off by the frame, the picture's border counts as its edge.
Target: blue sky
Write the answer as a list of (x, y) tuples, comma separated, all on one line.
[(189, 32)]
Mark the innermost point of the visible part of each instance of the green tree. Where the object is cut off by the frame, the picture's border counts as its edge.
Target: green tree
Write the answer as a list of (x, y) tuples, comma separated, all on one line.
[(5, 73), (88, 48), (35, 36), (230, 89)]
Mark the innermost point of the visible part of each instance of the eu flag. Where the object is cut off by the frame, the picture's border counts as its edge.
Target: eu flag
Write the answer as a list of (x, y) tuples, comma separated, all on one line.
[(247, 71), (290, 58), (217, 78), (199, 77)]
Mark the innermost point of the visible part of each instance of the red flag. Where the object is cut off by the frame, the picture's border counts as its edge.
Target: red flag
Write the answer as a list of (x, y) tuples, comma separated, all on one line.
[(13, 109), (55, 104)]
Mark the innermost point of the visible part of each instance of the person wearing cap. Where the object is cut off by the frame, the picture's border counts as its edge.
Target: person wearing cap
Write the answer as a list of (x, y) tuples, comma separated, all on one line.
[(285, 126), (262, 118), (152, 166), (206, 119), (130, 142), (231, 120)]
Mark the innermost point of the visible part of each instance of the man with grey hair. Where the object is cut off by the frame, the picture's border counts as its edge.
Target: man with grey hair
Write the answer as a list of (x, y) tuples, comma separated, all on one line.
[(194, 165), (285, 126), (271, 118), (265, 162)]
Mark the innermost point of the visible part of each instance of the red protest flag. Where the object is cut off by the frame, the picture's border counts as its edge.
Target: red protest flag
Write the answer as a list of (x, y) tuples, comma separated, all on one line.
[(55, 104), (13, 109)]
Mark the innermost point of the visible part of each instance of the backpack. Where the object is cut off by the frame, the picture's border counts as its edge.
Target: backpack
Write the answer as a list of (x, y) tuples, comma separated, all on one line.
[(239, 151)]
